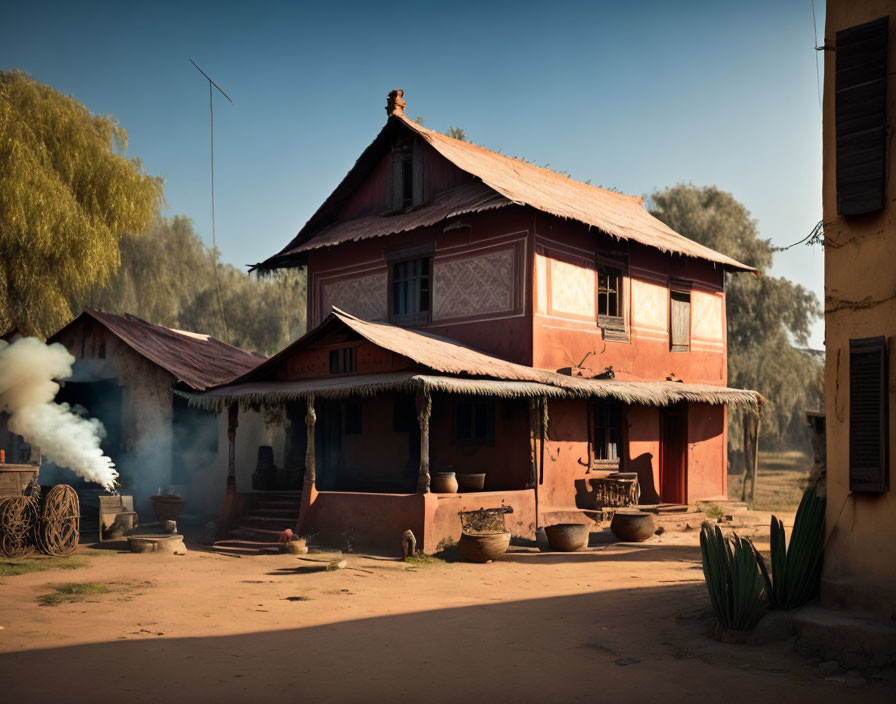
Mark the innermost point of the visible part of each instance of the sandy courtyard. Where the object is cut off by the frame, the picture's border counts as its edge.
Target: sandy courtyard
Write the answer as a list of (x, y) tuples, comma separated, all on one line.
[(616, 623)]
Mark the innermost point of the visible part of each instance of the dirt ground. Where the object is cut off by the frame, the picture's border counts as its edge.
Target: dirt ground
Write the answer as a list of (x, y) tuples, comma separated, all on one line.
[(618, 622), (780, 481)]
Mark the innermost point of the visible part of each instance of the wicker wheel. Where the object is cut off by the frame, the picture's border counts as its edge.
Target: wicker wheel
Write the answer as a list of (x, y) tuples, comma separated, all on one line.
[(17, 520), (60, 522)]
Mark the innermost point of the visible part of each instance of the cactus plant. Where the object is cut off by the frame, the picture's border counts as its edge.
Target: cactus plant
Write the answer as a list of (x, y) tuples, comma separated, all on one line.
[(796, 570), (733, 579)]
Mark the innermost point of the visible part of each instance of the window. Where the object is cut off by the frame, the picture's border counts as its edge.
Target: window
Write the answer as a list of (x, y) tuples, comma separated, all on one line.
[(404, 416), (342, 360), (411, 291), (680, 320), (607, 431), (860, 117), (351, 413), (407, 175), (610, 312), (474, 422), (407, 181), (868, 422)]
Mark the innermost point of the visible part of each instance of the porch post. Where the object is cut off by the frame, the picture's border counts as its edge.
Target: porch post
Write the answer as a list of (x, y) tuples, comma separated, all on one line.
[(533, 443), (233, 422), (310, 421), (424, 410)]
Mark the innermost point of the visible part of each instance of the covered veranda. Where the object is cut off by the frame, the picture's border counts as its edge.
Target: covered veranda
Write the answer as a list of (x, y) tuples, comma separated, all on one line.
[(371, 443)]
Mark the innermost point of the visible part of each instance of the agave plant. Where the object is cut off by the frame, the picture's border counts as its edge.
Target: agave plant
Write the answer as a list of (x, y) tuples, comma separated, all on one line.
[(796, 570), (734, 583)]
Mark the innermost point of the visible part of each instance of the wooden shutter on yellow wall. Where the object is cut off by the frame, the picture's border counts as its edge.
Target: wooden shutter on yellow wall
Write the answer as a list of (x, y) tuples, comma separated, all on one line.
[(868, 413), (860, 109)]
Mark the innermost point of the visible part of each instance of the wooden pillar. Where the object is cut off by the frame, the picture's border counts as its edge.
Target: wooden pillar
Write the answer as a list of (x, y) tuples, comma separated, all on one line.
[(424, 410), (534, 432), (233, 422), (310, 421)]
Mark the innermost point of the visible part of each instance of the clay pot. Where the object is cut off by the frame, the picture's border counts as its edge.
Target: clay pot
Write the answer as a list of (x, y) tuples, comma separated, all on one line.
[(633, 526), (170, 544), (471, 482), (443, 483), (483, 547), (167, 507), (568, 537)]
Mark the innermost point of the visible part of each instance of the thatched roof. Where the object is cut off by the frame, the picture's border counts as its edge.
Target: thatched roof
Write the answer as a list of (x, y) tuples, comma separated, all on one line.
[(197, 360), (454, 368), (646, 393), (501, 181)]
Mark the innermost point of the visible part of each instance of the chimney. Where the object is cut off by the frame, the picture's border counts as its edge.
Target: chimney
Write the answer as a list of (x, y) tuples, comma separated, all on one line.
[(394, 103)]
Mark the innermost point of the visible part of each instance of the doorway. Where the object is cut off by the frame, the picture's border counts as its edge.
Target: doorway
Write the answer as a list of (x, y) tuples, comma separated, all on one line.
[(673, 454)]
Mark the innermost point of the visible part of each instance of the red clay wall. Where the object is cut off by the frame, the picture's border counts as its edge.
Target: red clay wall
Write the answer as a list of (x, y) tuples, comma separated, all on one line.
[(480, 281), (567, 456), (443, 521), (565, 322), (642, 454)]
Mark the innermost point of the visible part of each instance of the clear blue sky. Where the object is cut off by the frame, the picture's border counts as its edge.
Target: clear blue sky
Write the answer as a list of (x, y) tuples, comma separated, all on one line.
[(636, 95)]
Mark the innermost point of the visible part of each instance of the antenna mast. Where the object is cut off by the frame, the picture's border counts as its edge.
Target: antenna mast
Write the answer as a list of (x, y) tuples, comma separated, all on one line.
[(211, 113)]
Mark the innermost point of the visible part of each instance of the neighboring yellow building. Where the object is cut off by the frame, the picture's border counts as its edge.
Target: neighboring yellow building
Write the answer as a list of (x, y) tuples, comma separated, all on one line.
[(859, 195)]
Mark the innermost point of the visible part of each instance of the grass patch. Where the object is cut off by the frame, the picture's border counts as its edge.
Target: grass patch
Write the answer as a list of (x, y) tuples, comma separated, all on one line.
[(42, 563), (71, 591), (421, 559), (713, 511)]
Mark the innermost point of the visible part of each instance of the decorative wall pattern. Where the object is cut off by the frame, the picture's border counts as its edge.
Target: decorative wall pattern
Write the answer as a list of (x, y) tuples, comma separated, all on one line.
[(474, 285), (572, 289), (363, 296), (650, 306), (706, 316)]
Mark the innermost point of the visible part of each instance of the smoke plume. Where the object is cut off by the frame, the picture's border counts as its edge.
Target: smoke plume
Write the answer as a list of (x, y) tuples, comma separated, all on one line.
[(28, 368)]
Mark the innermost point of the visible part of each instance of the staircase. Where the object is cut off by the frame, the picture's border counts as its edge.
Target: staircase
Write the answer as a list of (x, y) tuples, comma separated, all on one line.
[(258, 531)]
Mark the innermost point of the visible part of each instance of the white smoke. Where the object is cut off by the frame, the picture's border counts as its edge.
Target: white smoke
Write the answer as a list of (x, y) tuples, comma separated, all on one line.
[(28, 368)]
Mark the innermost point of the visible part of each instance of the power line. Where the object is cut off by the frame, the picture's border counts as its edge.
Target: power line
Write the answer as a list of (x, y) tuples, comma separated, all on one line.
[(211, 112), (815, 46)]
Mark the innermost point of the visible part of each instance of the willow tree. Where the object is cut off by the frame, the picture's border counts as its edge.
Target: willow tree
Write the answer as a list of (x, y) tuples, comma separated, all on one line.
[(769, 318), (68, 193)]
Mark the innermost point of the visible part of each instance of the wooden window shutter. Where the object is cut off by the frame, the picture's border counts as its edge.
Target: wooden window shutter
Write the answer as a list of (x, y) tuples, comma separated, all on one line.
[(868, 423), (860, 115), (680, 321)]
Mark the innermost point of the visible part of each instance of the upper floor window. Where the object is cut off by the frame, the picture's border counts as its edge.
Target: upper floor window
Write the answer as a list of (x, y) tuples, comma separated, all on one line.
[(680, 320), (411, 291), (407, 175), (610, 310)]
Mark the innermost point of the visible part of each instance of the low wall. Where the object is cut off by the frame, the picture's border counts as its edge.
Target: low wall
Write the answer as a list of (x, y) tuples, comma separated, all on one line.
[(376, 522)]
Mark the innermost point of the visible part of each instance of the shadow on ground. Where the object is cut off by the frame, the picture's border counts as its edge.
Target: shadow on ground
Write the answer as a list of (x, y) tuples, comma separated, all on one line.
[(625, 645)]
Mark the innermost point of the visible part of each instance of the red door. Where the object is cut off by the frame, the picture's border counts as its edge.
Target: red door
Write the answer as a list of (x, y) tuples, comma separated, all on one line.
[(673, 454)]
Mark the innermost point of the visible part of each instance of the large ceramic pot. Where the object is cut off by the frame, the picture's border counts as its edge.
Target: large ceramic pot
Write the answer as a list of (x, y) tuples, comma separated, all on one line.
[(471, 482), (633, 526), (443, 483), (568, 537), (482, 547), (167, 507)]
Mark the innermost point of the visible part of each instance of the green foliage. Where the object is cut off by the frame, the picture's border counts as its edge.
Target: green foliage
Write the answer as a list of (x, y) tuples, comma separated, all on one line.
[(713, 511), (734, 583), (67, 195), (71, 591), (456, 133), (767, 315), (167, 276), (796, 571)]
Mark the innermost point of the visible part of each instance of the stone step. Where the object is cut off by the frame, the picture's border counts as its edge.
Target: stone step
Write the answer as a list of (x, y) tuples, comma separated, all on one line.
[(234, 546), (266, 522), (256, 534), (292, 512)]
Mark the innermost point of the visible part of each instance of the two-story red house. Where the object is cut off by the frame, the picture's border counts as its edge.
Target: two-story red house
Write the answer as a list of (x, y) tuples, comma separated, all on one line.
[(474, 313)]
